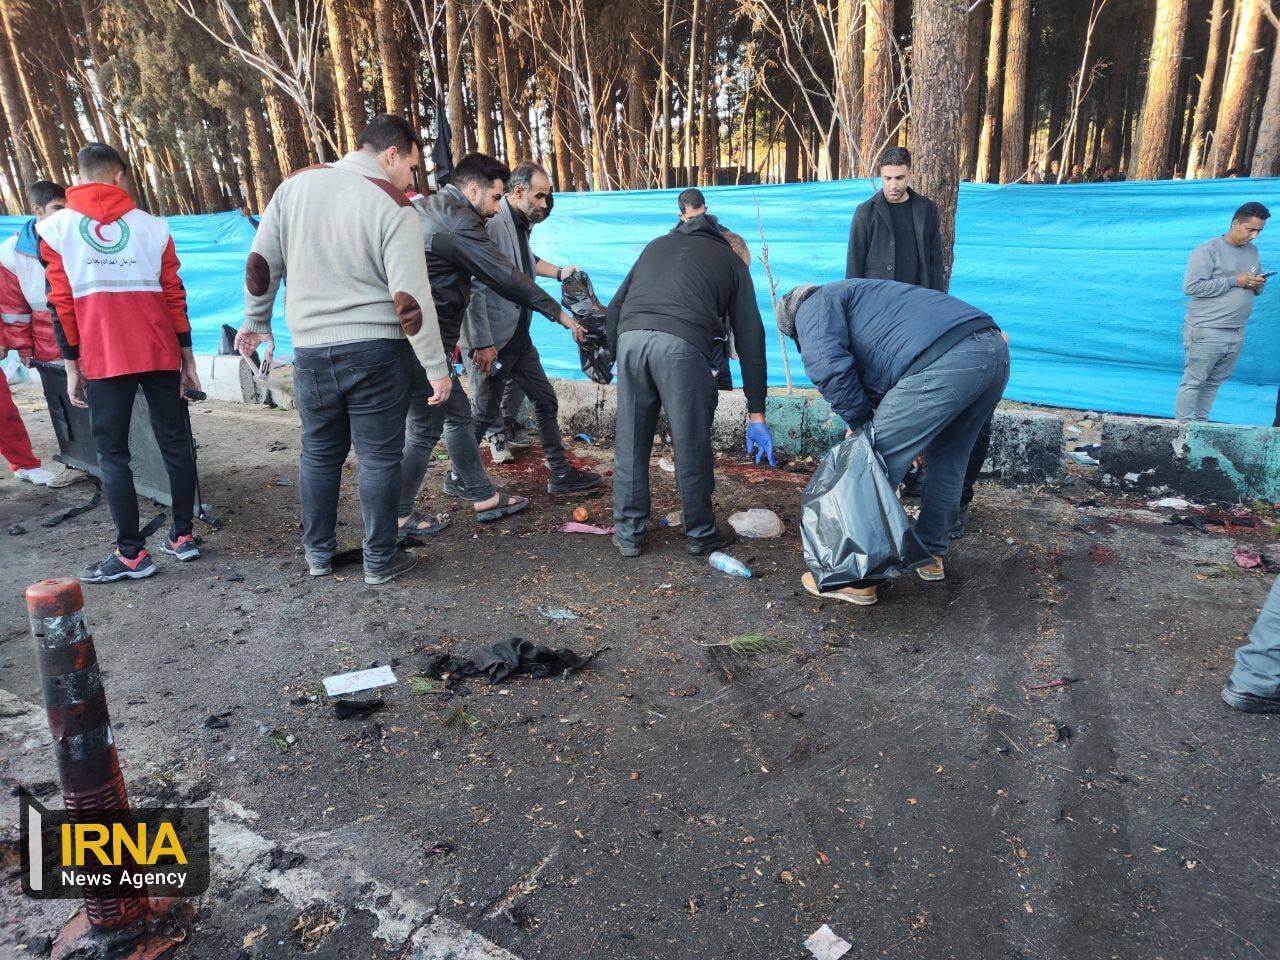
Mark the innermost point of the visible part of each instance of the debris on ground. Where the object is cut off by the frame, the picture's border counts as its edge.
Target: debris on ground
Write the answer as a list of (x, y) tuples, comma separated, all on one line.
[(1087, 454), (584, 438), (346, 709), (557, 613), (745, 644), (673, 519), (282, 482), (667, 464), (581, 514), (1102, 556), (216, 721), (730, 565), (277, 446), (825, 945), (1248, 559), (359, 680), (498, 661), (1054, 684), (17, 530), (756, 522), (576, 527), (1170, 503), (439, 850)]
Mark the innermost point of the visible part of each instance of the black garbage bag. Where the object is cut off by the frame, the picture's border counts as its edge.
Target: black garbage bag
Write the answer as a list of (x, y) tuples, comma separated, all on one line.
[(851, 523), (579, 298)]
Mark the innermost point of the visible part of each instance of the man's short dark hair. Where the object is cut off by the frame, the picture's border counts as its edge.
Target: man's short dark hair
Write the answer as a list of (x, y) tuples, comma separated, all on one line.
[(479, 168), (691, 198), (522, 176), (1252, 209), (385, 131), (44, 192), (895, 157), (97, 162)]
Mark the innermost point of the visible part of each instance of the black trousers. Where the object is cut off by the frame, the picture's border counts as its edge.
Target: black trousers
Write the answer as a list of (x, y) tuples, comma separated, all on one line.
[(110, 413)]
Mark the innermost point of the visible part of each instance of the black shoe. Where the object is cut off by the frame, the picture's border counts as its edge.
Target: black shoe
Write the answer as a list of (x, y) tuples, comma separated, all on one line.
[(116, 566), (453, 487), (402, 561), (957, 530), (722, 538), (1247, 702), (573, 480), (628, 549)]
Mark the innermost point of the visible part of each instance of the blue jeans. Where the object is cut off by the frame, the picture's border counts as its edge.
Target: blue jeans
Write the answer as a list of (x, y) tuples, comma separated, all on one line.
[(940, 411), (353, 393), (1258, 661)]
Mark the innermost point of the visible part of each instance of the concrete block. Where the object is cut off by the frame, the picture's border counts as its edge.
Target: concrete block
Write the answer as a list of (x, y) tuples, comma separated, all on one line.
[(1026, 447), (225, 377), (1213, 461)]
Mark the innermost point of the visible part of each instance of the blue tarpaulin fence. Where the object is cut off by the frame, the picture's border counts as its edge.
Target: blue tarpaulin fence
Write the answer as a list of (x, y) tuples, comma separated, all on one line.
[(1085, 278)]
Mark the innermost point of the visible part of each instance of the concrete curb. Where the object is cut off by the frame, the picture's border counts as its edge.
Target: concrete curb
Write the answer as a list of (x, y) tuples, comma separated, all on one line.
[(1026, 445), (1215, 461)]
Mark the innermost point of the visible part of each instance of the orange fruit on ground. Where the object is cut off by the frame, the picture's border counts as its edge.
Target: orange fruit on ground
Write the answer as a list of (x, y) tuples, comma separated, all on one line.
[(580, 514)]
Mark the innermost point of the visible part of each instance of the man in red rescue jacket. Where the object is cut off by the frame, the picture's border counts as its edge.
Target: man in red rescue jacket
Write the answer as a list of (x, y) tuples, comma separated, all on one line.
[(120, 315), (25, 326)]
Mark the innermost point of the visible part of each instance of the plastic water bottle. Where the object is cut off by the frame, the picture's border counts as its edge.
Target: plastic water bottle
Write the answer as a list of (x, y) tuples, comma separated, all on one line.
[(727, 564)]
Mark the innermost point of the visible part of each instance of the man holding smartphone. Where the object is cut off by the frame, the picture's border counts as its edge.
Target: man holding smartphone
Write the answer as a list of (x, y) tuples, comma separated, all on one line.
[(1222, 278)]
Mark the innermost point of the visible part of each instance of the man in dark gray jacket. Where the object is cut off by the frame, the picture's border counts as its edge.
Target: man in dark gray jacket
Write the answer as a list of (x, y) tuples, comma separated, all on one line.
[(458, 249), (664, 323), (895, 235), (496, 336), (924, 369)]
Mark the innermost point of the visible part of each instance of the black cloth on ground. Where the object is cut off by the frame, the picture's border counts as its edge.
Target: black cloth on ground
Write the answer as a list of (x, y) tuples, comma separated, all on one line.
[(506, 658)]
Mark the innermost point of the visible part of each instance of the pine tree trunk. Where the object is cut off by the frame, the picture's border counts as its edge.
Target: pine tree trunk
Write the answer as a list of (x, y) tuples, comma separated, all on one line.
[(664, 87), (482, 88), (1208, 88), (1237, 92), (453, 53), (1162, 89), (1122, 59), (47, 142), (848, 83), (112, 130), (1266, 158), (877, 83), (708, 128), (394, 82), (291, 150), (637, 125), (970, 116), (16, 115), (510, 107), (350, 105), (17, 201), (988, 148), (688, 170), (937, 87), (266, 169), (1013, 143)]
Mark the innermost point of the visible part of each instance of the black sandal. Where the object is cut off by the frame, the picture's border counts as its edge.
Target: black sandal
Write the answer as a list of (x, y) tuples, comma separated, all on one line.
[(436, 523), (507, 505)]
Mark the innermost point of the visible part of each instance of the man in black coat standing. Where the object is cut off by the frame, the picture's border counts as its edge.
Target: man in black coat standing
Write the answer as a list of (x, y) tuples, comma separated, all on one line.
[(666, 326), (895, 234)]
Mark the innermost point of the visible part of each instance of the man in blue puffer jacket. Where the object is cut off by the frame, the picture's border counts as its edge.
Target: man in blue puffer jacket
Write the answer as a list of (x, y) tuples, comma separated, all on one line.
[(925, 369)]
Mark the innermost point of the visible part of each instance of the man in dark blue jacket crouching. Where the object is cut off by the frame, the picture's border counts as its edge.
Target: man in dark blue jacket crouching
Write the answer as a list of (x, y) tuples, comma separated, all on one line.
[(925, 369)]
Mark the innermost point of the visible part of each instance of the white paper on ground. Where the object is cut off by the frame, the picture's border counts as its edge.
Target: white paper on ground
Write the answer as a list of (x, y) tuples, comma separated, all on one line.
[(358, 680), (825, 945)]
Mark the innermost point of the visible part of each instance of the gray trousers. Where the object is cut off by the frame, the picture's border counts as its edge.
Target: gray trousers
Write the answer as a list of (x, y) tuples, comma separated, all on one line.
[(525, 372), (941, 411), (423, 429), (353, 393), (1258, 661), (1210, 357), (660, 371)]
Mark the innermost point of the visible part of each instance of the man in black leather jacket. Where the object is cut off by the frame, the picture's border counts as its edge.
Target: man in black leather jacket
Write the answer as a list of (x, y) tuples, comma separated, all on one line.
[(458, 249)]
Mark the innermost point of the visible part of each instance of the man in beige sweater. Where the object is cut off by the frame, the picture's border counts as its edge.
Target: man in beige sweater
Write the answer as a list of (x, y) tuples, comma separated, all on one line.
[(358, 306)]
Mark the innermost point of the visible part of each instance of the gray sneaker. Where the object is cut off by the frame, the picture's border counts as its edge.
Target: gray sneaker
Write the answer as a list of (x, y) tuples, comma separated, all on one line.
[(518, 437), (498, 448), (402, 561)]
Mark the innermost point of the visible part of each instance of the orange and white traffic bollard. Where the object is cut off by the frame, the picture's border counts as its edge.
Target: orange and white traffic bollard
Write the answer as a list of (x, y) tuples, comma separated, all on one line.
[(88, 767)]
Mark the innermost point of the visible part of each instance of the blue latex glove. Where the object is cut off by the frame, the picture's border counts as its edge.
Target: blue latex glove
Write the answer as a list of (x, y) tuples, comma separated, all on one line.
[(760, 442)]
